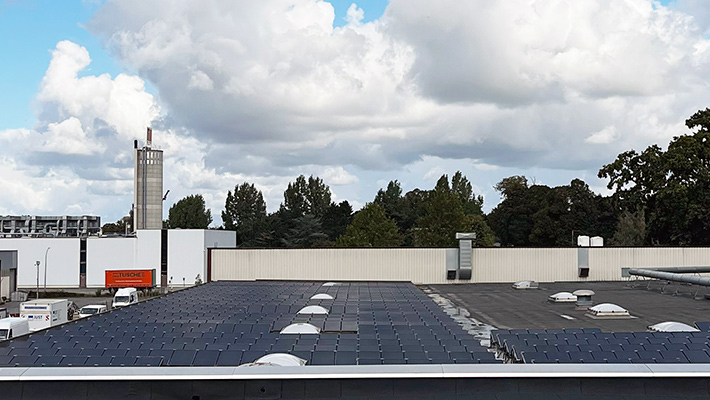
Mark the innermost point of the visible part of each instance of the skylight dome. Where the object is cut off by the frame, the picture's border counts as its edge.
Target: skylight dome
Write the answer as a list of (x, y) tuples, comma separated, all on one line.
[(300, 329), (525, 285), (313, 310), (672, 326), (322, 296), (331, 284), (562, 297), (608, 310), (277, 360)]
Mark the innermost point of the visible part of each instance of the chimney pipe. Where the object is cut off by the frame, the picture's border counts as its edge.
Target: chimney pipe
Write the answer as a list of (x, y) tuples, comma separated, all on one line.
[(150, 137)]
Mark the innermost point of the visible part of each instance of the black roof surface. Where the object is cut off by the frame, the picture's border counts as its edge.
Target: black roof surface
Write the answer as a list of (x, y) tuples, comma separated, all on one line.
[(537, 331), (232, 323)]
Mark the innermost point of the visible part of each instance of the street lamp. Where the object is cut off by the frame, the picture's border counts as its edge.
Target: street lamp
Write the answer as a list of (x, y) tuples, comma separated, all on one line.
[(37, 265), (45, 269)]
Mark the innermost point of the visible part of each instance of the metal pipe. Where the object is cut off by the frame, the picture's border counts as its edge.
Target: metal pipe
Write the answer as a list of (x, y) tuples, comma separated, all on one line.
[(695, 280), (45, 269), (681, 270)]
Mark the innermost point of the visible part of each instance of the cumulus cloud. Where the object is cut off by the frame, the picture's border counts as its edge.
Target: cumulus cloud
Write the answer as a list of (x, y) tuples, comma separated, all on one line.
[(338, 176), (604, 136), (263, 91)]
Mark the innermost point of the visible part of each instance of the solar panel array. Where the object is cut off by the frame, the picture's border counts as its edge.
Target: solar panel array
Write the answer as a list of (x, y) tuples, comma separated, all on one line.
[(232, 323), (595, 346)]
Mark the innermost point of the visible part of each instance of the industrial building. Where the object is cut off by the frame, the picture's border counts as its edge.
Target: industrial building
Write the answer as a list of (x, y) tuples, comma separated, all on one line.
[(15, 226), (178, 256)]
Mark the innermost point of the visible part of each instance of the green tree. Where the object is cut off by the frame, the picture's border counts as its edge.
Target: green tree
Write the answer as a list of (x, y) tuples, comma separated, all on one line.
[(671, 187), (245, 213), (337, 219), (444, 217), (310, 196), (511, 219), (371, 228), (631, 229), (472, 204), (190, 213), (123, 225), (306, 231)]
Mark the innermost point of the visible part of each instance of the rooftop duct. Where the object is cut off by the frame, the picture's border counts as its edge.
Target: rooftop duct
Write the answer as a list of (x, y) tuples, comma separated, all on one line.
[(669, 276), (465, 254)]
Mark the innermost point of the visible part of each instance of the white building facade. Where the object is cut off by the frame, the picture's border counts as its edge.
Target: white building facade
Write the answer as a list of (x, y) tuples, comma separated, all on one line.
[(82, 262)]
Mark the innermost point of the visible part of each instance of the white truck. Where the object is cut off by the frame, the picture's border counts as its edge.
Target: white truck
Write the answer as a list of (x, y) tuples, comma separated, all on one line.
[(13, 327), (44, 313), (125, 297)]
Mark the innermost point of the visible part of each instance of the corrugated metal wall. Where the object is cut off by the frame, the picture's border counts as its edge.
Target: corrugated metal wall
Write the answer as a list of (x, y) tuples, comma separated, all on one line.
[(428, 266)]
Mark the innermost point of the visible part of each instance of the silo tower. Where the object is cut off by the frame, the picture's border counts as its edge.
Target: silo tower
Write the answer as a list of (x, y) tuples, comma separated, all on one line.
[(147, 185)]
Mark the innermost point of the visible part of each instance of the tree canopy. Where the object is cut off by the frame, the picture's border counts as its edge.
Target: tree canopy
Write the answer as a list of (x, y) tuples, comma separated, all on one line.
[(371, 228), (190, 213), (245, 213)]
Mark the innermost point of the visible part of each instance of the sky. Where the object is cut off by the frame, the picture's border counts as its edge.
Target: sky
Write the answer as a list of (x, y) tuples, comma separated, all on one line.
[(356, 93)]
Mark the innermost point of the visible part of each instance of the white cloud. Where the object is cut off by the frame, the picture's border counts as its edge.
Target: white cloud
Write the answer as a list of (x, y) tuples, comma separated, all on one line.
[(68, 137), (262, 91), (605, 136), (338, 176)]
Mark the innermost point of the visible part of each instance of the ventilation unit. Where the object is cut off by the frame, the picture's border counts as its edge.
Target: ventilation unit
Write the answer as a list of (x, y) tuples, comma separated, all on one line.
[(584, 297)]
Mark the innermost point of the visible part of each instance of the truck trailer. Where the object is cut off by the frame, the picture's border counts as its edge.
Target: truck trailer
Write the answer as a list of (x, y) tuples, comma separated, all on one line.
[(136, 278), (44, 313)]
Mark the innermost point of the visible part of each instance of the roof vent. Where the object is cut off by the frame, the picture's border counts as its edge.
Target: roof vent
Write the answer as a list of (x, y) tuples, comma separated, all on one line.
[(671, 326), (313, 310), (277, 360), (608, 310), (300, 328), (331, 284), (584, 297), (562, 297), (525, 285), (322, 296)]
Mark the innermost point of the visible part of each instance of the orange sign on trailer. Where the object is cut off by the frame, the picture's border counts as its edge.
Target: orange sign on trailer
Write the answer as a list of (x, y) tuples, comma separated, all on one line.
[(137, 278)]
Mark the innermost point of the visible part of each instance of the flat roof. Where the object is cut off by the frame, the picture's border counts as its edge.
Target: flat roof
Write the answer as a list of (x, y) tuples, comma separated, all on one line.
[(503, 307)]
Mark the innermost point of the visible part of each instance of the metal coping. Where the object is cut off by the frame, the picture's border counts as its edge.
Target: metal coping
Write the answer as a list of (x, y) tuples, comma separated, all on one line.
[(356, 372)]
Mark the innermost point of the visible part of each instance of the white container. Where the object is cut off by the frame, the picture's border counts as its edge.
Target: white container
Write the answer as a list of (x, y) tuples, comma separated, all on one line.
[(44, 313)]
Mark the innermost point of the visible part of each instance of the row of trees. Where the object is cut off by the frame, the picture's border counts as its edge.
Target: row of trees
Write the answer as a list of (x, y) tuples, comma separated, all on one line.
[(660, 198)]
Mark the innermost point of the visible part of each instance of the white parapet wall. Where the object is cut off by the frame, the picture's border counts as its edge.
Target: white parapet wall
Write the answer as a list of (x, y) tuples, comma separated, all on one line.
[(428, 266)]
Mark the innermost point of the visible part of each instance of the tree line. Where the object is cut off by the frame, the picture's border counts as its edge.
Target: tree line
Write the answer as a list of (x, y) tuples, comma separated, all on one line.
[(659, 198)]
